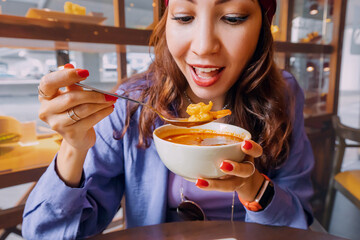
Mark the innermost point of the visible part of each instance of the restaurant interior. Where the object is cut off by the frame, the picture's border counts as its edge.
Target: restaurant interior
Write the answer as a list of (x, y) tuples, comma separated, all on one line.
[(318, 41)]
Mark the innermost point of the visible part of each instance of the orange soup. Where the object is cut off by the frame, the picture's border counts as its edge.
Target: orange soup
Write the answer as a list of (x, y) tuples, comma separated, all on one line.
[(203, 138)]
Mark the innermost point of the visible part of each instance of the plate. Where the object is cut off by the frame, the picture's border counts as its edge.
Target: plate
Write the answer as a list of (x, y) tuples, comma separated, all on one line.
[(64, 17)]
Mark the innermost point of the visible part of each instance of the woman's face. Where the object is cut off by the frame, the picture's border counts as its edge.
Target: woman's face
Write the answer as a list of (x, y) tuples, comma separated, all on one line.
[(211, 42)]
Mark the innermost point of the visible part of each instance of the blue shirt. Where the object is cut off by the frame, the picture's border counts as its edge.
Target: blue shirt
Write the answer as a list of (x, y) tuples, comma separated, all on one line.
[(115, 167)]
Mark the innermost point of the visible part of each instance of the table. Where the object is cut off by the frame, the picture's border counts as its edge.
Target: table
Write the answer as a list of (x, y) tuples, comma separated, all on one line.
[(215, 230), (23, 164)]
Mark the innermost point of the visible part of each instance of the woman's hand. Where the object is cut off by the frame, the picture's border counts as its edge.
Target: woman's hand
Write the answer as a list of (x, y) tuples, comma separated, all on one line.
[(241, 177), (72, 112)]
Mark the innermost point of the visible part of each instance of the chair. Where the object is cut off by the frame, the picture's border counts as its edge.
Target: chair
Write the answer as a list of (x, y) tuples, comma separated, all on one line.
[(347, 182)]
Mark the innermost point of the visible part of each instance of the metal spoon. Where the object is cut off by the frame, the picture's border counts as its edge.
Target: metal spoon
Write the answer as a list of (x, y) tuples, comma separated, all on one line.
[(182, 122)]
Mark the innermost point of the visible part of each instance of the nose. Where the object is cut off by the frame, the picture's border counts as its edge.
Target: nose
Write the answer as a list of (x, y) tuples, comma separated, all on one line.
[(205, 39)]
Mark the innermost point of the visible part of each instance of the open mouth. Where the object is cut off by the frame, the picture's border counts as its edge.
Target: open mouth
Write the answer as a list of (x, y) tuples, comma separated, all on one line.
[(206, 76)]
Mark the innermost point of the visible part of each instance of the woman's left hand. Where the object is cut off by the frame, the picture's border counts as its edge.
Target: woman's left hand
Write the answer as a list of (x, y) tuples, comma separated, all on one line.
[(241, 177)]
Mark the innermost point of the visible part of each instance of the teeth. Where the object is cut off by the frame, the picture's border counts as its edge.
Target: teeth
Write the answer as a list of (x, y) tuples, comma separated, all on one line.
[(206, 70), (205, 77)]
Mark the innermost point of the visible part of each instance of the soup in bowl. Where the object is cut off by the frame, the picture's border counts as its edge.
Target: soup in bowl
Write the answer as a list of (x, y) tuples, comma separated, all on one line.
[(197, 152)]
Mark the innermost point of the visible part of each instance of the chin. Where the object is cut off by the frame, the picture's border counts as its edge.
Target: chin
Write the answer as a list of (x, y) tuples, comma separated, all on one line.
[(207, 93)]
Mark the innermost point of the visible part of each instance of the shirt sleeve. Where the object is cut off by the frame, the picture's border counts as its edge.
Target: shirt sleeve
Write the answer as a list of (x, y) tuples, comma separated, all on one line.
[(57, 211), (290, 205)]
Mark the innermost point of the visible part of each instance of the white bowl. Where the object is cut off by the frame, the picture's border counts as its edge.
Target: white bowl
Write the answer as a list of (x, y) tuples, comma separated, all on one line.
[(193, 162)]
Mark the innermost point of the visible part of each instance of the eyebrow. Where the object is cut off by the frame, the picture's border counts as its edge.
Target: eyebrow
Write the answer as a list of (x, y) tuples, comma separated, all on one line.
[(220, 1), (224, 1)]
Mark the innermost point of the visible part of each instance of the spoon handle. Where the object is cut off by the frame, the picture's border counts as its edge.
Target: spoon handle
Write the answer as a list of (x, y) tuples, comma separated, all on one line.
[(178, 121), (108, 93)]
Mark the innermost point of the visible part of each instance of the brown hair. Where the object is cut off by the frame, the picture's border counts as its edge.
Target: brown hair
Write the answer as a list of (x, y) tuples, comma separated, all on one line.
[(257, 99)]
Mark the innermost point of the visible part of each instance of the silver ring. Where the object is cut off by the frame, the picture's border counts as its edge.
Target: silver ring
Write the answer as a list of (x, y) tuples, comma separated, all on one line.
[(42, 94), (71, 114), (252, 165)]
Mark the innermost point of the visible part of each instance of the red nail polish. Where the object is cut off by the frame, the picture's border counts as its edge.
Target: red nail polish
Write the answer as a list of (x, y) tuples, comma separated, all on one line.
[(113, 106), (228, 167), (202, 183), (69, 65), (110, 98), (83, 73), (247, 145)]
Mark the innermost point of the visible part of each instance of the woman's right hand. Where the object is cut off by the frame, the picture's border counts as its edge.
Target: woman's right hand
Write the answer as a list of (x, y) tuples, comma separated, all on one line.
[(87, 107)]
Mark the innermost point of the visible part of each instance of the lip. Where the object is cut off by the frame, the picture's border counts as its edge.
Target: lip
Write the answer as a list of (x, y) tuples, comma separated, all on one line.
[(204, 66), (205, 82)]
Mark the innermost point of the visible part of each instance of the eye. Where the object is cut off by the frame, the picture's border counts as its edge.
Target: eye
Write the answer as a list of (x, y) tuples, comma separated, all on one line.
[(234, 19), (183, 19)]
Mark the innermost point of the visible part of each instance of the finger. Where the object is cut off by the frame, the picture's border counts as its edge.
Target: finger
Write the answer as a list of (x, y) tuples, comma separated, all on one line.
[(71, 99), (243, 169), (63, 123), (85, 110), (69, 65), (73, 86), (251, 148), (41, 93), (51, 82), (221, 185), (86, 123)]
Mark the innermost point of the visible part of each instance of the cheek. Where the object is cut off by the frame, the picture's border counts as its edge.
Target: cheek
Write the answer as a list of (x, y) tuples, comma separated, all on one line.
[(243, 49), (242, 52), (175, 43)]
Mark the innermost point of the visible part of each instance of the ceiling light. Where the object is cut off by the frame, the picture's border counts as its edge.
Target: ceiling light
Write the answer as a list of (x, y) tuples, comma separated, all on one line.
[(310, 67), (314, 9), (326, 67)]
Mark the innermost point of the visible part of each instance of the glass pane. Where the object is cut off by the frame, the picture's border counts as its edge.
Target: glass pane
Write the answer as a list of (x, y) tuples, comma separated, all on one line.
[(138, 59), (349, 94), (312, 21), (139, 14), (312, 73), (23, 66), (20, 73), (54, 10), (99, 59), (22, 69), (276, 28)]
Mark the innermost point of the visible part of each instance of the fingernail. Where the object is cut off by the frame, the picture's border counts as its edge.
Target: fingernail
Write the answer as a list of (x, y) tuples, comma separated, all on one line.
[(202, 183), (113, 106), (110, 98), (247, 145), (69, 65), (227, 167), (83, 73)]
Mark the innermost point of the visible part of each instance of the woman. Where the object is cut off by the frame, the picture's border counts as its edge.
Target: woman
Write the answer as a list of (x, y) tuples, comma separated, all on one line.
[(204, 50)]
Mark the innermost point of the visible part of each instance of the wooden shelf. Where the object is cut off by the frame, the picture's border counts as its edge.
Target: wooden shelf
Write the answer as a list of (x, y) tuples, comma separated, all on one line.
[(51, 45), (289, 47), (39, 29)]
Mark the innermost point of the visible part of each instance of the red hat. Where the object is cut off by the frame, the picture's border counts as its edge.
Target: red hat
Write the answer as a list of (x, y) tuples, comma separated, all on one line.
[(268, 6)]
